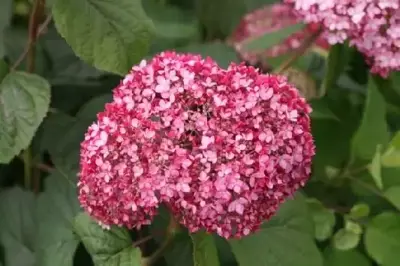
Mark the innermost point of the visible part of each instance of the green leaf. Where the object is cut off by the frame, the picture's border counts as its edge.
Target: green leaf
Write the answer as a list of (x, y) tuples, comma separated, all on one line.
[(18, 226), (4, 69), (345, 239), (6, 7), (338, 59), (24, 102), (220, 52), (393, 195), (62, 137), (65, 149), (382, 237), (333, 138), (57, 206), (180, 251), (112, 35), (272, 38), (373, 129), (335, 257), (324, 219), (392, 261), (353, 226), (204, 250), (65, 64), (216, 22), (174, 26), (359, 211), (107, 247), (225, 255), (322, 111), (90, 109), (390, 90), (391, 157), (375, 168), (285, 240)]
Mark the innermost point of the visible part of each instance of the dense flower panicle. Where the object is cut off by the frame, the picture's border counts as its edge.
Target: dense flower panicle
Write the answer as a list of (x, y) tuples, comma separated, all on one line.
[(255, 151), (373, 26), (221, 148), (125, 150), (268, 19), (113, 186)]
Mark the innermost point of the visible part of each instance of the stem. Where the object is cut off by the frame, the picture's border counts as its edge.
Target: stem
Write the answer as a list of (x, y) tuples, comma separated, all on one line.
[(171, 231), (28, 47), (44, 167), (40, 166), (35, 16), (26, 155), (36, 179), (367, 186), (142, 240), (308, 42)]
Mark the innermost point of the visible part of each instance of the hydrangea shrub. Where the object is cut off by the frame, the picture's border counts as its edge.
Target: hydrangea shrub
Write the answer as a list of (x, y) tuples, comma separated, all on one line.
[(206, 133)]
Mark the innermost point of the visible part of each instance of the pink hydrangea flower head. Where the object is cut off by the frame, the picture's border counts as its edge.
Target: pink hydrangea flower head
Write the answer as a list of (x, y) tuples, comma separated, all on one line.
[(127, 165), (268, 19), (115, 186), (221, 148), (373, 26), (243, 150)]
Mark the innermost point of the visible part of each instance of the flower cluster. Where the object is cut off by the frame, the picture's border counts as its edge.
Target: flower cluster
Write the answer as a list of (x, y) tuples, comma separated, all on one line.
[(268, 19), (221, 148), (373, 26)]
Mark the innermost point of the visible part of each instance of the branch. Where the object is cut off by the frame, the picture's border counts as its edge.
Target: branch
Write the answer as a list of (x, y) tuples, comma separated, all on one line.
[(36, 14), (44, 167), (29, 46), (142, 240), (171, 231)]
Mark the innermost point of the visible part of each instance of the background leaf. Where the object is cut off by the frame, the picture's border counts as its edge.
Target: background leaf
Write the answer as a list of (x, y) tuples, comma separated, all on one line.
[(5, 18), (204, 250), (373, 129), (108, 247), (56, 209), (334, 257), (321, 110), (391, 157), (289, 232), (24, 102), (174, 27), (268, 40), (375, 168), (18, 227), (180, 251), (345, 239), (221, 53), (382, 238), (324, 219), (336, 63), (65, 65), (393, 195), (110, 34)]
